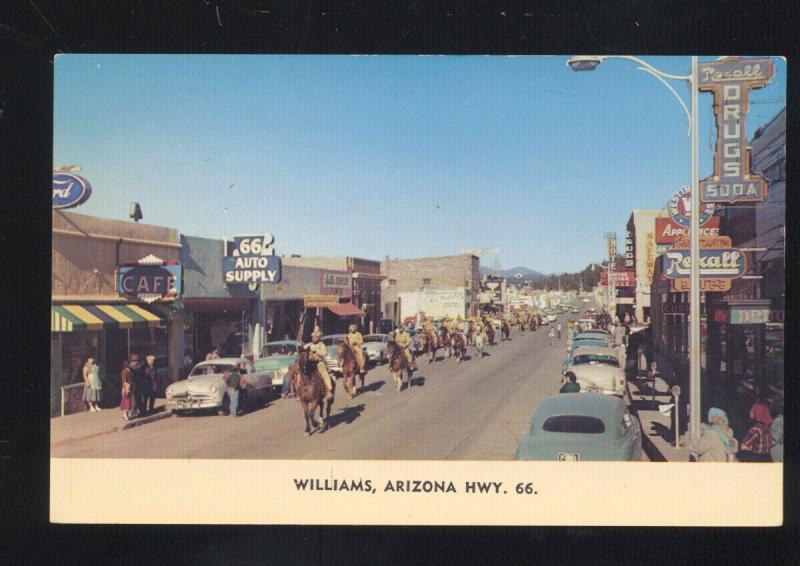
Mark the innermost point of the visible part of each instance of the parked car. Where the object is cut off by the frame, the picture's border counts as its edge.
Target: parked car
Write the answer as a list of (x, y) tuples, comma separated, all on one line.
[(598, 370), (205, 388), (596, 334), (575, 427), (375, 348), (331, 341), (277, 358), (579, 342)]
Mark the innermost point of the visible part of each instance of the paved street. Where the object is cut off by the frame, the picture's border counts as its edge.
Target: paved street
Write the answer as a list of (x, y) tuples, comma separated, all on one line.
[(475, 410)]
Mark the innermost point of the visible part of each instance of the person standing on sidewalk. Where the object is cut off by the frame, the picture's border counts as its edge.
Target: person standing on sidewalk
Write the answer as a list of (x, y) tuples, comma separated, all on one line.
[(92, 386), (149, 382), (126, 389), (231, 379), (757, 442), (558, 330)]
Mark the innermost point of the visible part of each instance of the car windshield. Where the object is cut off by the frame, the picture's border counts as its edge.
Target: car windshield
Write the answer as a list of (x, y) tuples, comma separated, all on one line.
[(278, 350), (580, 424), (212, 368), (374, 339), (595, 359)]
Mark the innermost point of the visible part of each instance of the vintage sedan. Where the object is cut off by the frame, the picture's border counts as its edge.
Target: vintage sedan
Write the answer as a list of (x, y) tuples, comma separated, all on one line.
[(331, 342), (277, 358), (574, 427), (598, 370), (205, 387), (579, 342), (375, 348)]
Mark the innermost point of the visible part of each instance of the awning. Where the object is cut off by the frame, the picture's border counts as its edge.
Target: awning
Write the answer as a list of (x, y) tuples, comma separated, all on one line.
[(71, 318), (345, 309)]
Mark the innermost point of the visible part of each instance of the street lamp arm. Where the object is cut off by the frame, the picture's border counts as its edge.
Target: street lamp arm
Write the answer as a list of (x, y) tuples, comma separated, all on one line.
[(675, 94), (650, 68)]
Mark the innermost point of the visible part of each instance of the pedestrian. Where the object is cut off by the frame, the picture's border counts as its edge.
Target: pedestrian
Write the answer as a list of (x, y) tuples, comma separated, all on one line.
[(231, 379), (558, 330), (757, 442), (716, 442), (760, 412), (213, 354), (126, 389), (138, 386), (776, 431), (92, 385), (570, 385), (149, 384)]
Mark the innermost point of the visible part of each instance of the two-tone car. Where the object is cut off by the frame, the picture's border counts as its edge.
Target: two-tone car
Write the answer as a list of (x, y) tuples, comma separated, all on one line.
[(579, 342), (277, 358), (331, 342), (205, 387), (598, 370), (574, 427), (375, 348)]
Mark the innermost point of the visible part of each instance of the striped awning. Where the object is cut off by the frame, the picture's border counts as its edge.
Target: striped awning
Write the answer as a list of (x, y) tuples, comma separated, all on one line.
[(70, 318)]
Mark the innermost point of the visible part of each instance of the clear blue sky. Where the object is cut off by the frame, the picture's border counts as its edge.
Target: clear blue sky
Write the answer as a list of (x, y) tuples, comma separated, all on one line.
[(406, 156)]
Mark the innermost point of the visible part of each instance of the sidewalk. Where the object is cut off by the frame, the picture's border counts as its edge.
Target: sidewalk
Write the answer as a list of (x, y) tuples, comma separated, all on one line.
[(656, 426), (85, 424)]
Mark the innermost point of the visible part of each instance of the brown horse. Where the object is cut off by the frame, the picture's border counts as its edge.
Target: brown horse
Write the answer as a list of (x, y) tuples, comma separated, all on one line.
[(398, 364), (347, 359), (535, 322), (446, 341), (429, 344), (459, 346), (505, 330), (310, 389), (490, 333), (522, 321)]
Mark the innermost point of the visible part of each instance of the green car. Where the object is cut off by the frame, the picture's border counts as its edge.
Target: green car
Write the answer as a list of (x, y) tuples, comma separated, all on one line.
[(277, 357), (582, 426)]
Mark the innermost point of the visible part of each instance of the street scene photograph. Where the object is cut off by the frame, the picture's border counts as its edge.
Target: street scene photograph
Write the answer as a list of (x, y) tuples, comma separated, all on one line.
[(470, 258)]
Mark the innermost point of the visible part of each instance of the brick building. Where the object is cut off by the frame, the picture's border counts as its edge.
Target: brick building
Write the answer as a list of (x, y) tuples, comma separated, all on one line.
[(432, 273)]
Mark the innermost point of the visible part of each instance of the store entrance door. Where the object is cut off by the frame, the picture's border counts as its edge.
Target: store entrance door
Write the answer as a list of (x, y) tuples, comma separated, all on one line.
[(116, 354)]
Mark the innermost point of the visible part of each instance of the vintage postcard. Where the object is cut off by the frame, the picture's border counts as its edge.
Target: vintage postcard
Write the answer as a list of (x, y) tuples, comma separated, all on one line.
[(467, 290)]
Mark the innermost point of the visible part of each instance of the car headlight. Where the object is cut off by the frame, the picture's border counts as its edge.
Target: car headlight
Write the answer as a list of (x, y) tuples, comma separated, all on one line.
[(213, 389)]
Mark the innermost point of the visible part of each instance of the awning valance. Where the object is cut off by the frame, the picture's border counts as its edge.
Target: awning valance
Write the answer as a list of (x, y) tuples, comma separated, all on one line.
[(345, 309), (70, 318)]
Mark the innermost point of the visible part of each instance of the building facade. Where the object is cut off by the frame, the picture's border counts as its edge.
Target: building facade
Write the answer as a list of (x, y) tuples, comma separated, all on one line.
[(640, 254), (88, 315), (434, 273)]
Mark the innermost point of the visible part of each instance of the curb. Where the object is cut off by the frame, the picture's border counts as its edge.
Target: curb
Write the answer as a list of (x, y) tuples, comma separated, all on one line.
[(648, 446), (148, 419)]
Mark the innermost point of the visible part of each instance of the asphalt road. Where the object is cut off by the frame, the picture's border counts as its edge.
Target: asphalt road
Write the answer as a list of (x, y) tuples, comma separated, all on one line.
[(475, 410)]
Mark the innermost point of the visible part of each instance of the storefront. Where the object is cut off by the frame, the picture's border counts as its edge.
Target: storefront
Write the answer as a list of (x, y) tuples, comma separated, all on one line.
[(90, 317), (215, 315)]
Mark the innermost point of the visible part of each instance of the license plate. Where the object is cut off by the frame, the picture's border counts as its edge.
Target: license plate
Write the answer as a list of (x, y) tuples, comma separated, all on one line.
[(569, 456)]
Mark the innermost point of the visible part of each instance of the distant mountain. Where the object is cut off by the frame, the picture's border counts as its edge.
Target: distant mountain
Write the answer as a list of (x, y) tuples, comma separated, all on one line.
[(527, 273)]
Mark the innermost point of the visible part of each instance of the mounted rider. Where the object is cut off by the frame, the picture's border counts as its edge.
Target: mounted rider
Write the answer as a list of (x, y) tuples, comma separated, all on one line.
[(316, 353), (430, 330), (403, 341), (355, 340)]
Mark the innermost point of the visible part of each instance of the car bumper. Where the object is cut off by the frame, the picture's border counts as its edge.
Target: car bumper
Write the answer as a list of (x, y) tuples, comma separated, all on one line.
[(189, 403)]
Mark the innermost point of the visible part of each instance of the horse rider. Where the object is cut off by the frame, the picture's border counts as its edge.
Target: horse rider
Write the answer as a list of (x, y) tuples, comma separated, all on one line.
[(403, 341), (316, 353), (429, 329), (356, 340)]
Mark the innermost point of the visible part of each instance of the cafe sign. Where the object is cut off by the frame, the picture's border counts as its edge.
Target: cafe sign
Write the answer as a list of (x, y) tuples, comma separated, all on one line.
[(730, 79), (150, 279)]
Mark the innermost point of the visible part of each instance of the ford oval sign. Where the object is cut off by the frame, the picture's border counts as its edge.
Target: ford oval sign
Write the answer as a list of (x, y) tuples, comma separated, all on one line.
[(70, 190)]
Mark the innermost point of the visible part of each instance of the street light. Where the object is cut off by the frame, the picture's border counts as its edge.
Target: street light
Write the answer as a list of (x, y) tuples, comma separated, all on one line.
[(590, 63)]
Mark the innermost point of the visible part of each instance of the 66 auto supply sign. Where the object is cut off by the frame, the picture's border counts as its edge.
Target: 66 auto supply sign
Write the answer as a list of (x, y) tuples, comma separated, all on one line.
[(251, 260)]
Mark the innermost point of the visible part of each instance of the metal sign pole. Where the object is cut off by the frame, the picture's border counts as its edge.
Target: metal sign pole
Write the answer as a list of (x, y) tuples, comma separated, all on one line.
[(694, 289)]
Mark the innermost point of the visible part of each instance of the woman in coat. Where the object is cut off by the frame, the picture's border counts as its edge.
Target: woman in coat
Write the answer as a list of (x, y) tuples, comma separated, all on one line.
[(92, 386), (716, 443)]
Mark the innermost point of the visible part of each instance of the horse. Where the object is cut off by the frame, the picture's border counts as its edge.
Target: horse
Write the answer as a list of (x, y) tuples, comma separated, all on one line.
[(310, 389), (477, 341), (521, 323), (398, 363), (446, 341), (505, 330), (347, 359), (470, 332), (459, 346), (429, 344), (490, 333)]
